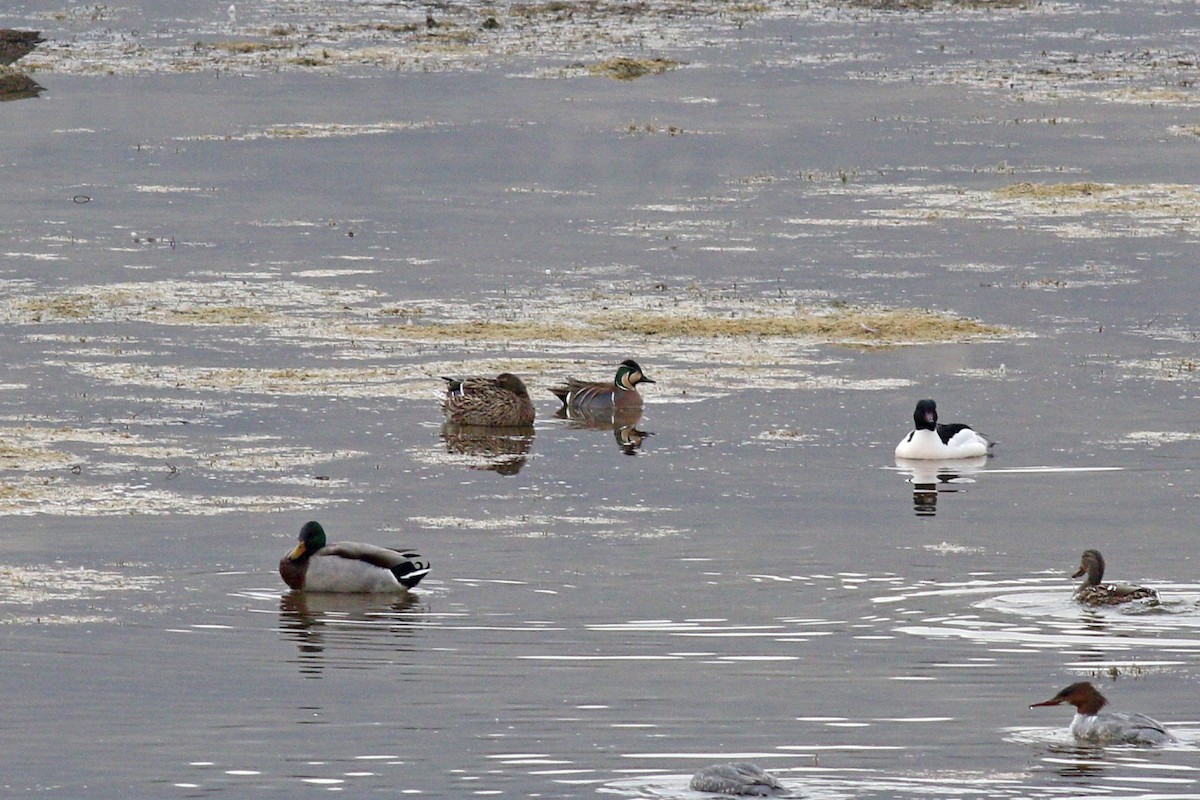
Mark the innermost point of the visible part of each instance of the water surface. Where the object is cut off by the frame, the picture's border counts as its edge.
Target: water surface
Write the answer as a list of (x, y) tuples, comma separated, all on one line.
[(221, 278)]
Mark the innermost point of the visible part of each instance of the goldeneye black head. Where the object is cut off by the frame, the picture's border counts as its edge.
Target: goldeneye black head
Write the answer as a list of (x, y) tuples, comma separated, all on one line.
[(925, 417)]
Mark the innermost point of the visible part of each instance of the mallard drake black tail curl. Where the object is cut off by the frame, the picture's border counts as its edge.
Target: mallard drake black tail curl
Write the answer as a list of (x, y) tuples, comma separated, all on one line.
[(315, 566), (497, 402)]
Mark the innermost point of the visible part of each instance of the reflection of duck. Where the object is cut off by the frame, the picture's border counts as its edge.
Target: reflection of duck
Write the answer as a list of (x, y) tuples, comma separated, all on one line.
[(1092, 725), (1094, 593), (929, 439), (366, 628), (315, 566), (621, 421), (620, 393), (504, 449), (500, 401), (18, 86), (929, 476), (736, 778)]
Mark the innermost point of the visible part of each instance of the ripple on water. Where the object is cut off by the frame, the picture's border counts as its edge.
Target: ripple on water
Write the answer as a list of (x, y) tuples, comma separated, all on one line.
[(836, 784), (1047, 618)]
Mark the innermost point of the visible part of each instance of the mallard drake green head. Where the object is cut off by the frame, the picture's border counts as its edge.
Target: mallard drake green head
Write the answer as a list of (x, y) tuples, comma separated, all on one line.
[(502, 401), (1093, 592), (313, 565), (620, 393)]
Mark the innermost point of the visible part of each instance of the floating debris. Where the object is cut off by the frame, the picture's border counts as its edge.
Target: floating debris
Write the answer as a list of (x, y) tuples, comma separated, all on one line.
[(625, 68)]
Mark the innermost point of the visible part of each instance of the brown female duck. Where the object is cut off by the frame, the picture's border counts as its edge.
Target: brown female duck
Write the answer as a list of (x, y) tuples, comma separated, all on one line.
[(1094, 593), (502, 401)]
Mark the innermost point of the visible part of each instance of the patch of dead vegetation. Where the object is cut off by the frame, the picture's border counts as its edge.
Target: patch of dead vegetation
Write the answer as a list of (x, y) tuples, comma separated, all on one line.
[(935, 5), (843, 326), (1051, 190), (625, 68), (848, 326), (242, 47), (218, 315)]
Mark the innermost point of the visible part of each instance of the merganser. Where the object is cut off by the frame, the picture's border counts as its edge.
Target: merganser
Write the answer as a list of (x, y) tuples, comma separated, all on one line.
[(621, 392), (1090, 725), (315, 566), (930, 440), (1094, 593), (737, 778)]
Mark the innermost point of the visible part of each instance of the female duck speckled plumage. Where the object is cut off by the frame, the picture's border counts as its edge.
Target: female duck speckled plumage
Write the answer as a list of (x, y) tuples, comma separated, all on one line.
[(1090, 724), (315, 566), (16, 44), (1093, 592), (739, 778), (928, 439), (497, 402), (621, 392)]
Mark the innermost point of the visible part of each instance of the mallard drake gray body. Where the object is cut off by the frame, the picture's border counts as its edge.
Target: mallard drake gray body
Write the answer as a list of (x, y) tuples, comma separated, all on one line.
[(502, 401), (315, 566), (1092, 725), (928, 439), (738, 778), (621, 392), (1094, 593)]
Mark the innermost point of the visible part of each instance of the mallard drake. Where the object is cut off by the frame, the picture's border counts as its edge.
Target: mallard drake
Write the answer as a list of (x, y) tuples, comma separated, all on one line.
[(315, 566), (1092, 725), (621, 392), (928, 439), (739, 778), (501, 401), (1094, 593)]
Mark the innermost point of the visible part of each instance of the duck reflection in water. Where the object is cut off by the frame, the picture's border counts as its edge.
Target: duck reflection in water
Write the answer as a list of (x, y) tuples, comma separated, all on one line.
[(18, 86), (499, 449), (621, 421), (930, 478), (347, 631)]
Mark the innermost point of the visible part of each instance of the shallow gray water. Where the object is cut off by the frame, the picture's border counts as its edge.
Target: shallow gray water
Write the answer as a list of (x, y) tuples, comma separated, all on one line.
[(200, 357)]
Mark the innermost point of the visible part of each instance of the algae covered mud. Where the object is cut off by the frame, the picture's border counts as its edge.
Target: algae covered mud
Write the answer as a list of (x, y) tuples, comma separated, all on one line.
[(241, 244)]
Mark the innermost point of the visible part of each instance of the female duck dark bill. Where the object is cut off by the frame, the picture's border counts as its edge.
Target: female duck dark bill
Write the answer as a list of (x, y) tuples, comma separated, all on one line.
[(1090, 724), (1093, 592), (314, 566), (738, 778), (496, 402), (928, 439), (620, 393)]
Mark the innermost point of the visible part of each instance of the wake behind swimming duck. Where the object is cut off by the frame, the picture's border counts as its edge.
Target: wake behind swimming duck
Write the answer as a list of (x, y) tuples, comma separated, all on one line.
[(1090, 724), (315, 566), (737, 778), (928, 439), (1092, 592)]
